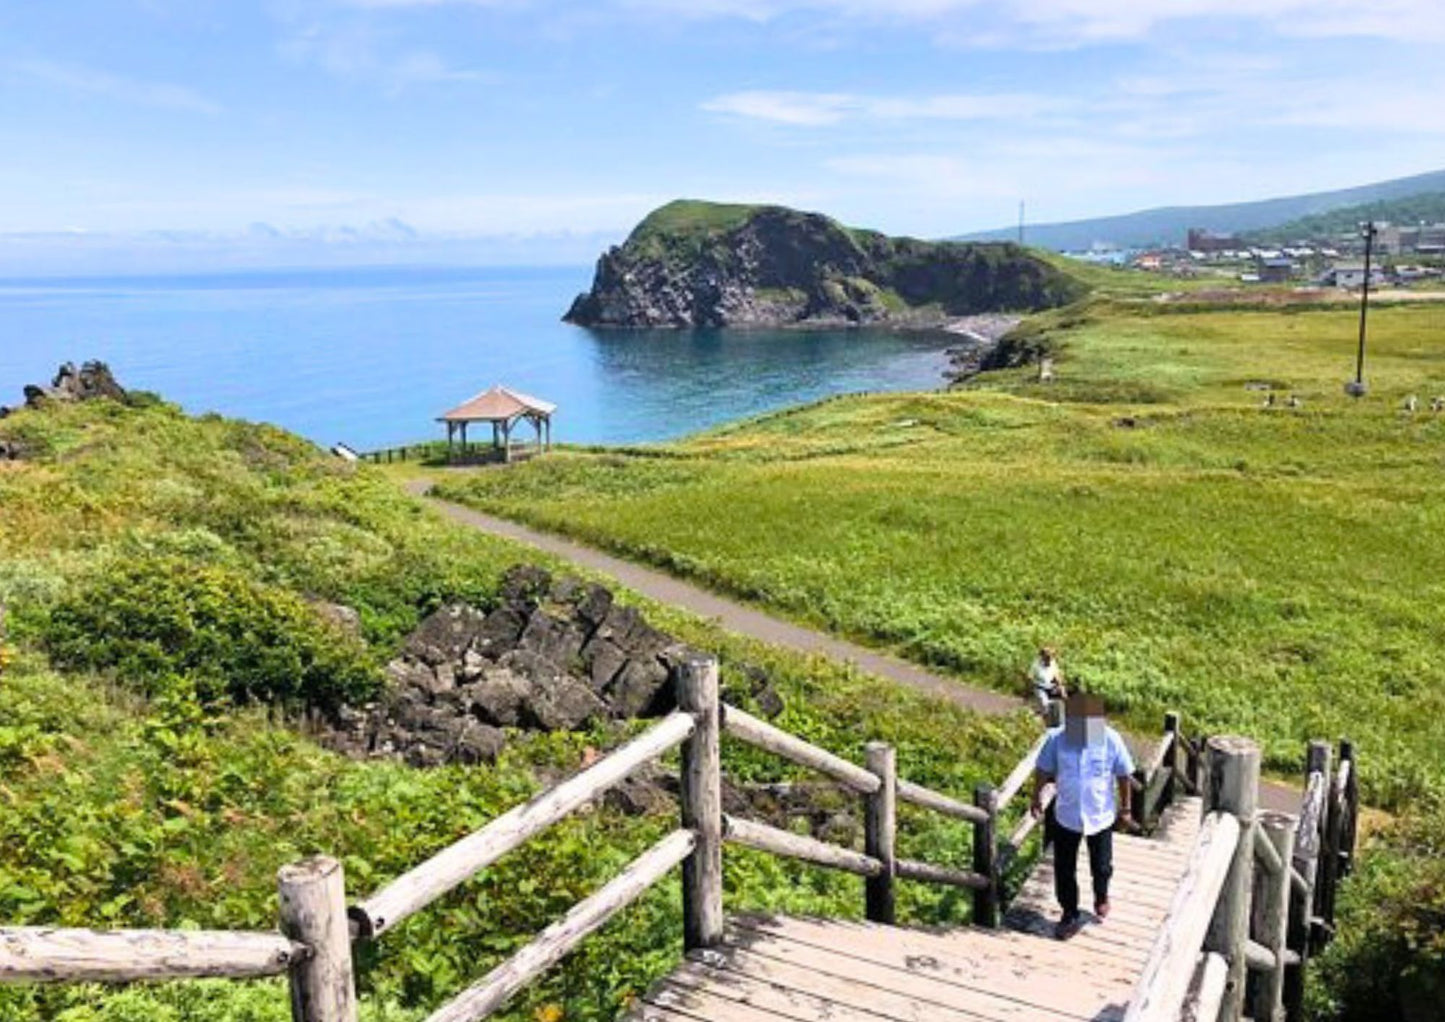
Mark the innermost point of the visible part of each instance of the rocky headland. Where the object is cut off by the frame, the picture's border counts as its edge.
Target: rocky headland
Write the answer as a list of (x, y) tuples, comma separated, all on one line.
[(701, 264)]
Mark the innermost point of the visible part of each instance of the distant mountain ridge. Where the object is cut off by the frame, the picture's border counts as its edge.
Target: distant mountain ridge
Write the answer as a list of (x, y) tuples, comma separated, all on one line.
[(1428, 207), (1168, 225), (706, 264)]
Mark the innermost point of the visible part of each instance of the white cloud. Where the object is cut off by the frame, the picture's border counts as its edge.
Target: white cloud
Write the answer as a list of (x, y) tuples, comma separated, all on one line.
[(360, 51), (809, 109), (1079, 22), (92, 82), (816, 109)]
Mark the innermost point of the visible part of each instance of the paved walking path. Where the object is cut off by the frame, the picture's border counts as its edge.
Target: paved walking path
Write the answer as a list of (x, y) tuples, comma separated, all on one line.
[(743, 620)]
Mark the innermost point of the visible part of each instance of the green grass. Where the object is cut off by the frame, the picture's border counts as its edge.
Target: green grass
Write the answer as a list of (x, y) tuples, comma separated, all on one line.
[(688, 217), (126, 801), (1271, 572)]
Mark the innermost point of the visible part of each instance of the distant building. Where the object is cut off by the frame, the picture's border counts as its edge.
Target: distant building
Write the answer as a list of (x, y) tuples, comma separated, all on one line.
[(1388, 239), (1351, 277), (1275, 270), (1430, 240), (1201, 240)]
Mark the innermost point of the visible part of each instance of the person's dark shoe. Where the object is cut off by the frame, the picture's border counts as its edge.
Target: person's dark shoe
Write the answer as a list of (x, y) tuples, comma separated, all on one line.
[(1101, 909), (1068, 926)]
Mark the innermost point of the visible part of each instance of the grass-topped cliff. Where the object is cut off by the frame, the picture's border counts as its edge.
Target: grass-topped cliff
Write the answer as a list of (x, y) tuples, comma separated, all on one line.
[(693, 263), (172, 585)]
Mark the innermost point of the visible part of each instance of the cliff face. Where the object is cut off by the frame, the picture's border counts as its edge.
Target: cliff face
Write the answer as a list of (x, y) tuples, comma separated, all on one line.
[(692, 264)]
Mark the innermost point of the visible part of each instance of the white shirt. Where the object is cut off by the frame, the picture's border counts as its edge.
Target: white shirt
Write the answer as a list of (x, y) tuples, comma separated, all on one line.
[(1085, 777), (1045, 675)]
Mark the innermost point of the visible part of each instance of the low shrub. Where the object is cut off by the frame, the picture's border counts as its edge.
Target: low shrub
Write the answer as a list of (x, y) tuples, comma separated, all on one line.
[(1388, 964), (233, 637)]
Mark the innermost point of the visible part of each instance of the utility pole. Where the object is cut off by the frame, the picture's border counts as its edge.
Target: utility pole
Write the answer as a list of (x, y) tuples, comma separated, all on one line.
[(1356, 387), (1021, 222)]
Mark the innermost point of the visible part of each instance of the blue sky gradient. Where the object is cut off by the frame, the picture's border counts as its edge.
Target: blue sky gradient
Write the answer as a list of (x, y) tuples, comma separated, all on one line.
[(316, 123)]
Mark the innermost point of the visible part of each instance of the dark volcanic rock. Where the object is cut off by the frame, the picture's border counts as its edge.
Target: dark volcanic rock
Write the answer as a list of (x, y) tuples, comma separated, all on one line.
[(499, 697), (444, 635), (693, 264), (554, 655), (641, 689), (564, 705), (475, 742), (92, 381)]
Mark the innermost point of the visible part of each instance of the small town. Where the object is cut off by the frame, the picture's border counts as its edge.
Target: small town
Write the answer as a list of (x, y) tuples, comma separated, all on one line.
[(1403, 256)]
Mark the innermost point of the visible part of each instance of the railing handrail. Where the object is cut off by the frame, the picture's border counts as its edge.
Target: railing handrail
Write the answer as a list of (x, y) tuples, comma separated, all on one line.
[(458, 862), (1163, 985), (761, 735), (318, 930), (45, 954), (586, 917)]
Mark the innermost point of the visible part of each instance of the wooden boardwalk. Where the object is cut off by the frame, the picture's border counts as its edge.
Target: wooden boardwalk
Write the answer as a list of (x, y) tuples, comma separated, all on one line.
[(772, 969)]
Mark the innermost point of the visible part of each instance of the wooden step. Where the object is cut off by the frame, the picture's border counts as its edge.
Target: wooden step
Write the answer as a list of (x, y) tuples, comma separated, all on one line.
[(773, 968)]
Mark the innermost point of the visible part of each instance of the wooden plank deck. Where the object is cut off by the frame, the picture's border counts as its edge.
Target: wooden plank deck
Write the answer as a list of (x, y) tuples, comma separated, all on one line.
[(770, 969)]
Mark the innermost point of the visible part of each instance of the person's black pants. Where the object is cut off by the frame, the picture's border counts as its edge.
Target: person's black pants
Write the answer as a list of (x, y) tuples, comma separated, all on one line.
[(1066, 865)]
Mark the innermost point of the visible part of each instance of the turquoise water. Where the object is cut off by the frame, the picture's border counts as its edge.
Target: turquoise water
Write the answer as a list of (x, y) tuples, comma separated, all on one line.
[(371, 357)]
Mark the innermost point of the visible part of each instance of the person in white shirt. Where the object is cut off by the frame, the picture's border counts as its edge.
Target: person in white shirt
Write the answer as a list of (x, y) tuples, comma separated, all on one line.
[(1089, 766), (1047, 680)]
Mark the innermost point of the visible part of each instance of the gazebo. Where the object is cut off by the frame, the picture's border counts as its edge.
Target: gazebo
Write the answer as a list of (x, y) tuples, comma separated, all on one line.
[(502, 407)]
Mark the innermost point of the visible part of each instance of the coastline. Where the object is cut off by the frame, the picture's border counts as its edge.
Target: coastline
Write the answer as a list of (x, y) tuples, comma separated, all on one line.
[(982, 332)]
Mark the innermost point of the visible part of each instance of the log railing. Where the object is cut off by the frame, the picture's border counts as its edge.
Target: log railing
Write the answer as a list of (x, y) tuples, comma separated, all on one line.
[(881, 790), (1256, 895), (318, 930), (1212, 908)]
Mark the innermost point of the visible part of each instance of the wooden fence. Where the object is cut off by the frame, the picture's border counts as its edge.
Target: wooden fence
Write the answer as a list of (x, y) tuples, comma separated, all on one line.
[(1258, 895), (318, 929)]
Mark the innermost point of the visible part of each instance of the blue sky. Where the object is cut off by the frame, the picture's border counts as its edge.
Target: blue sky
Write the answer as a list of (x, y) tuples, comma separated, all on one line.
[(327, 120)]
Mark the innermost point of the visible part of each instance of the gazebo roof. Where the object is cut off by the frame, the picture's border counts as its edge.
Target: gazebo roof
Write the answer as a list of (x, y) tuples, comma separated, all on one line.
[(498, 404)]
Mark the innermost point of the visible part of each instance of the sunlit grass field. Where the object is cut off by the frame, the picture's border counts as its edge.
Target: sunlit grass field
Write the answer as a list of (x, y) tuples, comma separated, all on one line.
[(1278, 572), (126, 801)]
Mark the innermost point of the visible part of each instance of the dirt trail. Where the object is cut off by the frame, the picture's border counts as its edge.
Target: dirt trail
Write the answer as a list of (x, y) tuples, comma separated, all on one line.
[(743, 620)]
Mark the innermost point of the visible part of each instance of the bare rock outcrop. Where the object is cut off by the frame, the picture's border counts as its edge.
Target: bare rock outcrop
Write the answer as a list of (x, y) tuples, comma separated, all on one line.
[(92, 381), (553, 655)]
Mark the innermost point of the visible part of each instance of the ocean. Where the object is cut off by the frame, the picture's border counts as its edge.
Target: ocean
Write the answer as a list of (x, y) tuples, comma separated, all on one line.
[(370, 357)]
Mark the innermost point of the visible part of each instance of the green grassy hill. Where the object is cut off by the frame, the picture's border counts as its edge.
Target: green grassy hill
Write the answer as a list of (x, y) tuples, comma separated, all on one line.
[(1274, 572), (1265, 571), (162, 575)]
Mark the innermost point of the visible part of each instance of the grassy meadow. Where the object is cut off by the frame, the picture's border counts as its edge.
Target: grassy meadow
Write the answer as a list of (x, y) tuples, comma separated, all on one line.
[(162, 575), (1276, 572)]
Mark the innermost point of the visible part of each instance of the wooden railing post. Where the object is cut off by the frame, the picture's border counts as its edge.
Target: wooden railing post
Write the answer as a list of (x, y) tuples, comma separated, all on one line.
[(985, 857), (1171, 732), (313, 912), (1352, 808), (1272, 916), (880, 828), (1233, 787), (701, 798), (1304, 937), (1328, 876)]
